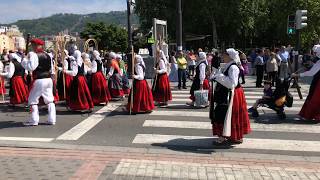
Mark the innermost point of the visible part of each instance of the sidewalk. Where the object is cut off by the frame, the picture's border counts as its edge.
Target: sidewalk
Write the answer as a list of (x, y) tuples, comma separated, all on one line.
[(139, 163)]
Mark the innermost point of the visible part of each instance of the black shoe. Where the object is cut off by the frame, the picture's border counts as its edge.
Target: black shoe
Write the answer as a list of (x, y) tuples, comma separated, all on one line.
[(185, 88), (179, 88)]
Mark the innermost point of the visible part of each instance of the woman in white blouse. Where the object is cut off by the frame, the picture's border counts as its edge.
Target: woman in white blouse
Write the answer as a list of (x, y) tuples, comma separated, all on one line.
[(228, 110), (161, 86), (311, 107), (142, 95)]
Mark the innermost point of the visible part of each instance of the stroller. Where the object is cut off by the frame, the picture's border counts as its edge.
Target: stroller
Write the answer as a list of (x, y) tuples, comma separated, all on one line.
[(281, 98)]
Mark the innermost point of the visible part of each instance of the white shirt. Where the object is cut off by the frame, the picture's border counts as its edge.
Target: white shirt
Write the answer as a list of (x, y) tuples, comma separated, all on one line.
[(202, 75), (74, 67), (230, 81), (94, 66), (314, 70), (162, 67), (139, 72), (9, 71), (30, 62)]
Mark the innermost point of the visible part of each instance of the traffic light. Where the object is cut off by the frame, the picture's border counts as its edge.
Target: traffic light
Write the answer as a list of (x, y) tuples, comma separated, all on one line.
[(301, 19), (291, 28)]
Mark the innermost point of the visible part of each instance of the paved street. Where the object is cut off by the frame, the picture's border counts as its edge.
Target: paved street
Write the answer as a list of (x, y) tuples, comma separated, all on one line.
[(169, 143)]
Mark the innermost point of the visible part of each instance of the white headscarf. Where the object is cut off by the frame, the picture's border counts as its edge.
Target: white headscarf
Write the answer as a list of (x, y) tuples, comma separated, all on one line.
[(112, 55), (233, 54), (140, 61), (316, 49), (96, 54), (119, 57), (202, 58), (77, 56)]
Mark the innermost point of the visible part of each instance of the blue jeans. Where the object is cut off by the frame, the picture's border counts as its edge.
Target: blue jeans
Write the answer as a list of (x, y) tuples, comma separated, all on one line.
[(182, 76)]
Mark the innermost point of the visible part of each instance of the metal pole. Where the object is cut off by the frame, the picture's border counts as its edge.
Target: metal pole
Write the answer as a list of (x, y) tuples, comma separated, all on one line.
[(179, 24), (298, 50), (129, 24)]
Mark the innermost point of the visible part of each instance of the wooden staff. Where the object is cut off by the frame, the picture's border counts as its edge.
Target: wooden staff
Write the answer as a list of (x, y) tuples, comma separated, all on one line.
[(132, 74), (295, 82), (63, 55)]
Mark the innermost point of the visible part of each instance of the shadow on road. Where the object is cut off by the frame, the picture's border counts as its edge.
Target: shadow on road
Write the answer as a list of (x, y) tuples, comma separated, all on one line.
[(201, 146), (10, 124)]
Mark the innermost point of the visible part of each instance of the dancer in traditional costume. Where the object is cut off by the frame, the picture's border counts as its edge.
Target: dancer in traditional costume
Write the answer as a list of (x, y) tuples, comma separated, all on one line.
[(124, 75), (41, 65), (67, 78), (161, 86), (99, 87), (80, 96), (311, 108), (2, 84), (228, 112), (18, 88), (142, 95), (199, 82), (115, 79)]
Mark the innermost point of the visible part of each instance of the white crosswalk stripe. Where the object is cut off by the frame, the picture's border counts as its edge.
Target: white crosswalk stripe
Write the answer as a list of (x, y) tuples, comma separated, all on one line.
[(162, 119)]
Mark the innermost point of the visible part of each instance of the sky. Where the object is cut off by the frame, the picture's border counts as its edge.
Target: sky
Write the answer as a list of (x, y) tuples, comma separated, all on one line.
[(13, 10)]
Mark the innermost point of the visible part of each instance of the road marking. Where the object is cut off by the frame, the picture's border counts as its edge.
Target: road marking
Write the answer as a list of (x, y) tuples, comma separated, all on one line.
[(254, 126), (79, 130), (30, 139), (202, 141), (261, 93), (180, 113), (290, 109)]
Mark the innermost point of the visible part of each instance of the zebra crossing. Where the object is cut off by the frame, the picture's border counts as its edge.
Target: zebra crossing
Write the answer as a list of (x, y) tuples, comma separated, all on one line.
[(180, 125)]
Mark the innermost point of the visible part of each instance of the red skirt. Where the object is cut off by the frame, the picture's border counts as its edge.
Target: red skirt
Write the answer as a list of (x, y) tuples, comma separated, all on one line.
[(99, 89), (240, 123), (206, 86), (18, 90), (162, 91), (126, 91), (311, 108), (142, 97), (55, 91), (2, 87), (68, 85), (80, 97)]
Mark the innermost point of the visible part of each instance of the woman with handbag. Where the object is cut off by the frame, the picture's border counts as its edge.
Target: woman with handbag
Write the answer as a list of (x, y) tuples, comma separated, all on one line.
[(228, 107), (200, 82)]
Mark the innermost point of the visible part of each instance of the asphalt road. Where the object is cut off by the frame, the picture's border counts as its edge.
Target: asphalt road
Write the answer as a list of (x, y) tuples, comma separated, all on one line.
[(177, 127)]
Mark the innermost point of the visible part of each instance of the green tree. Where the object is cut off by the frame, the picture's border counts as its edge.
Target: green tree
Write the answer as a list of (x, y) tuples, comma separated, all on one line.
[(109, 37), (247, 23)]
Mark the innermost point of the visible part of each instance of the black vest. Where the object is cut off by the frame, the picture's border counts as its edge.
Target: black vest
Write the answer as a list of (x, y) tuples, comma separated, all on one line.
[(99, 66), (44, 68), (81, 70), (197, 76), (18, 69), (221, 93), (143, 70)]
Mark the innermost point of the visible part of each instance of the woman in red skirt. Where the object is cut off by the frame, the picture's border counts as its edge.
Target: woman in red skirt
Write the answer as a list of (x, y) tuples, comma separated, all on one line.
[(161, 86), (67, 78), (18, 88), (142, 95), (200, 82), (228, 107), (2, 84), (311, 108), (80, 96), (99, 88)]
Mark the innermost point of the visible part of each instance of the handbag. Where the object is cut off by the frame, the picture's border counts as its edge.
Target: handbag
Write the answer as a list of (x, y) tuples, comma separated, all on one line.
[(201, 98)]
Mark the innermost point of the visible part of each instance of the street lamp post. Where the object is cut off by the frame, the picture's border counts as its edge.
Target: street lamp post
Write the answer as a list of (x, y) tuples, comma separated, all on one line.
[(179, 25)]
